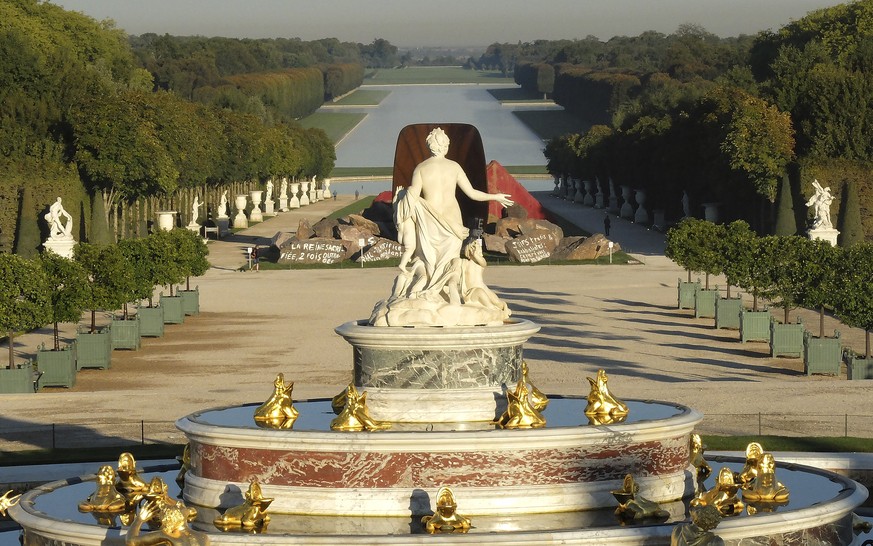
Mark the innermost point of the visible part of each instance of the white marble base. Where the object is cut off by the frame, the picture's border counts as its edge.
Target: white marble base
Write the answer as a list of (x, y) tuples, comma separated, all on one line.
[(269, 208), (61, 247), (240, 221), (294, 203), (283, 204), (193, 226), (304, 200), (256, 215), (829, 235)]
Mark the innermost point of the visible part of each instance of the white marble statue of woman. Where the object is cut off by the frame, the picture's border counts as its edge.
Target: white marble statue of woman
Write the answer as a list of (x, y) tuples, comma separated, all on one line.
[(195, 209), (821, 203), (269, 190), (283, 189), (222, 205), (58, 228), (429, 216)]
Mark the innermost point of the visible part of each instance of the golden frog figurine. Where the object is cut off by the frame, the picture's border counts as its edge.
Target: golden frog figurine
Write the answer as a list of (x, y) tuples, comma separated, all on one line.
[(747, 475), (7, 501), (445, 518), (129, 483), (158, 493), (538, 400), (765, 488), (106, 499), (174, 529), (184, 465), (697, 460), (723, 495), (699, 532), (633, 507), (603, 408), (251, 514), (355, 416), (520, 411), (277, 411)]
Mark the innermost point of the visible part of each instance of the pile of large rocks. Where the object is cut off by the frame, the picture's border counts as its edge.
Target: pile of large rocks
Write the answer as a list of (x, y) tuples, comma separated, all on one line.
[(372, 236)]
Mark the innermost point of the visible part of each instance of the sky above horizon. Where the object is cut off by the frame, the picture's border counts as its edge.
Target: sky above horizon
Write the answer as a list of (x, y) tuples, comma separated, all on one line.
[(410, 23)]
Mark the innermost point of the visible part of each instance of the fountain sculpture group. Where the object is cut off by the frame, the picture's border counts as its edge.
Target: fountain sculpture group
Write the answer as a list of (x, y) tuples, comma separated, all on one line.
[(442, 432)]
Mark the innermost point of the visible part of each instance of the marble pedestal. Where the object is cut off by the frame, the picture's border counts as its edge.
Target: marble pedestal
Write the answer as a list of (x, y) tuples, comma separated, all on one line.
[(269, 205), (223, 226), (61, 247), (435, 375), (829, 235), (283, 204)]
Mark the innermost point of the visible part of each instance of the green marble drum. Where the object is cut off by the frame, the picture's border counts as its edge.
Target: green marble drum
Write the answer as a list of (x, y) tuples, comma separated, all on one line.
[(437, 375)]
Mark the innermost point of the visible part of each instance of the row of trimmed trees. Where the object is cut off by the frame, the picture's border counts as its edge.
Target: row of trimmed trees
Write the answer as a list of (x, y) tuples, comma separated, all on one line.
[(51, 290), (789, 271)]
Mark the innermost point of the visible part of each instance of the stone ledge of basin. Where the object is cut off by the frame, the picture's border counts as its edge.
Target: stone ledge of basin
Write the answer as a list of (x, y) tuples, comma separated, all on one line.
[(438, 441), (830, 461), (513, 332), (668, 489)]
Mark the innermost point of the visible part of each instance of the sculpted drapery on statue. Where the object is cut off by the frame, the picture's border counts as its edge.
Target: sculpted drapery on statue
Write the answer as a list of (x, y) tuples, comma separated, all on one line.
[(430, 226)]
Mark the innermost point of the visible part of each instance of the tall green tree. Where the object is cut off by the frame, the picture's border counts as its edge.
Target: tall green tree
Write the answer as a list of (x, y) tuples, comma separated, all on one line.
[(695, 245), (786, 272), (24, 298), (110, 283), (850, 226), (818, 288), (28, 241), (786, 221), (737, 246), (854, 304), (67, 284)]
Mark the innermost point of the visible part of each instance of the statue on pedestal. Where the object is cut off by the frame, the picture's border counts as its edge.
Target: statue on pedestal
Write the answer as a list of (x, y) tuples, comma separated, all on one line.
[(60, 222), (222, 205), (427, 292), (821, 206)]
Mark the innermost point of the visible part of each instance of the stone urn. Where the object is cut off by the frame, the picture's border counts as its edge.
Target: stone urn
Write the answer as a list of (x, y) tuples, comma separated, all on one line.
[(588, 196), (627, 210), (166, 219), (325, 193), (641, 216), (240, 221), (304, 193), (294, 200), (257, 197)]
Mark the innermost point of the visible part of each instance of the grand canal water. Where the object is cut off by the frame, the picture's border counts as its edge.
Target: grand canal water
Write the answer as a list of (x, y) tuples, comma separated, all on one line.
[(506, 139)]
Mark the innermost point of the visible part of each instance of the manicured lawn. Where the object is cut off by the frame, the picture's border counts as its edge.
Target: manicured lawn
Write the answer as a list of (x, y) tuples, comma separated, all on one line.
[(362, 97), (549, 124), (336, 125), (433, 75)]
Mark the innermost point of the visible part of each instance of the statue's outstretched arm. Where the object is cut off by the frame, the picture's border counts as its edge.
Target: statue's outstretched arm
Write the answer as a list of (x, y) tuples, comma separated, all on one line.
[(476, 195)]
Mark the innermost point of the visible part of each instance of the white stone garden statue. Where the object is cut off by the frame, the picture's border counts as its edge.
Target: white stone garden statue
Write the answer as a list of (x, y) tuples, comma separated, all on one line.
[(60, 222), (821, 206), (428, 290)]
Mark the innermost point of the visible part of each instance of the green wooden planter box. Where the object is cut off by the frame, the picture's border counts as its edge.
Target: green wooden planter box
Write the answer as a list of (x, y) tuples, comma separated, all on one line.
[(859, 368), (686, 293), (755, 325), (125, 333), (190, 301), (173, 312), (58, 368), (727, 312), (151, 321), (704, 303), (94, 350), (786, 339), (21, 379), (822, 355)]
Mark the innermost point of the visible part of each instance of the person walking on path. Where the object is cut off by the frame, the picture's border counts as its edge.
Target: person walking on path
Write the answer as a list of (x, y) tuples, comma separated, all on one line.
[(606, 224), (256, 261)]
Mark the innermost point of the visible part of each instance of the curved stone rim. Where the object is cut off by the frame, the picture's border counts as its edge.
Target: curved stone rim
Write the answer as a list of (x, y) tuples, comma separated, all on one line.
[(513, 332), (841, 507), (438, 441)]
